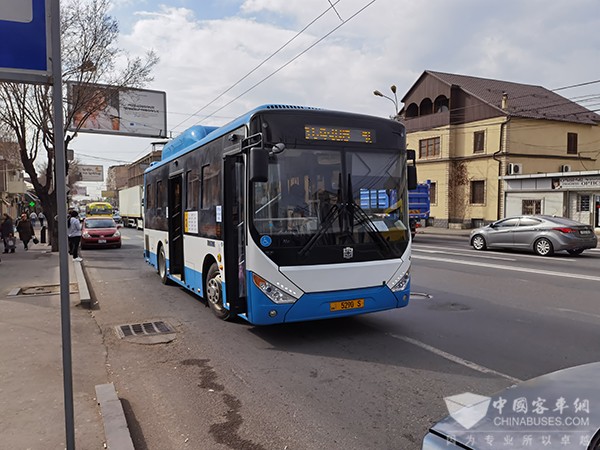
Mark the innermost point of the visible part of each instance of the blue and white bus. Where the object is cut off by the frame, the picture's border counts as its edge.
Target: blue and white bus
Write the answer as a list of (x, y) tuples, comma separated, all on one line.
[(285, 214)]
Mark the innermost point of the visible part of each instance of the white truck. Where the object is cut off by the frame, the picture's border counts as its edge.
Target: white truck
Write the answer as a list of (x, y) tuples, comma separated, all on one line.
[(130, 207)]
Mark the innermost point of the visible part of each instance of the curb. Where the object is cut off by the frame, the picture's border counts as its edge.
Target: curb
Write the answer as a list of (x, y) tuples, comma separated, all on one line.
[(115, 426), (84, 292)]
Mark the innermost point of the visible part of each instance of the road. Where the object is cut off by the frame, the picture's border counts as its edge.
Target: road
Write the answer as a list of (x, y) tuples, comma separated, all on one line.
[(488, 319)]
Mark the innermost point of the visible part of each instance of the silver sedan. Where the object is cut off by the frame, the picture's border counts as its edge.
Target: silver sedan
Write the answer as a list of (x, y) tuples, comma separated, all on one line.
[(542, 234)]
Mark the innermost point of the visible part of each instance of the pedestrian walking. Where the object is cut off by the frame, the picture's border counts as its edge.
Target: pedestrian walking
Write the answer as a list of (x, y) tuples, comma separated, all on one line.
[(7, 231), (25, 230), (42, 218), (33, 217), (74, 234)]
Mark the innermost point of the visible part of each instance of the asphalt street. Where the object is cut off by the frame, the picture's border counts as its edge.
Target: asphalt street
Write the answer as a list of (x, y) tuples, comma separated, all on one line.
[(478, 322)]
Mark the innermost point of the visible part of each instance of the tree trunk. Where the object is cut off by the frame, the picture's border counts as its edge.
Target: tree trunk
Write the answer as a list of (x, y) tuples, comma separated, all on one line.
[(50, 208)]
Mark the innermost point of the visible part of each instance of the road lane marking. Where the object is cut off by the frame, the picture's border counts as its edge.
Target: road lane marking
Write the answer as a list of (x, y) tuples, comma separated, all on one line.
[(514, 269), (463, 254), (455, 359), (574, 311), (519, 255)]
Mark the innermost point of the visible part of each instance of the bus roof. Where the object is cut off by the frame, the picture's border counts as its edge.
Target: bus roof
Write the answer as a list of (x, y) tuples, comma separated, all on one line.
[(199, 134)]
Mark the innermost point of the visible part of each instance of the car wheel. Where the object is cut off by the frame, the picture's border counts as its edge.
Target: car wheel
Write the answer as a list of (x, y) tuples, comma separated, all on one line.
[(577, 251), (543, 247), (478, 242), (214, 292), (162, 266)]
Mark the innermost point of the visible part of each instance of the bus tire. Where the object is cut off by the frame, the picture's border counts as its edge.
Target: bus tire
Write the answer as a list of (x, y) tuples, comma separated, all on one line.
[(214, 292), (162, 266)]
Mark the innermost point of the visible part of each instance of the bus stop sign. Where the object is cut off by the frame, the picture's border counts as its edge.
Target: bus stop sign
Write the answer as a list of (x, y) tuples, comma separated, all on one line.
[(25, 37)]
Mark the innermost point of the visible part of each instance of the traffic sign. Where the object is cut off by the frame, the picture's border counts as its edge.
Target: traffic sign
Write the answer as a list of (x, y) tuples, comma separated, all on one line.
[(26, 41)]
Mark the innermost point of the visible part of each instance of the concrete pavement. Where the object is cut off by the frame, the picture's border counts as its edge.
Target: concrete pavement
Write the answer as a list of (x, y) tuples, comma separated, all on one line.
[(31, 369)]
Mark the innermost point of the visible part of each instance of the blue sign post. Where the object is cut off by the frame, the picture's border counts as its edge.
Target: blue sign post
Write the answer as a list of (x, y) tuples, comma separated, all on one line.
[(25, 41), (29, 35)]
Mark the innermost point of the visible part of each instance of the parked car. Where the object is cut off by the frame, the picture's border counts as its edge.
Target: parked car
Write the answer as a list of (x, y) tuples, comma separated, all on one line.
[(100, 232), (554, 411), (542, 234)]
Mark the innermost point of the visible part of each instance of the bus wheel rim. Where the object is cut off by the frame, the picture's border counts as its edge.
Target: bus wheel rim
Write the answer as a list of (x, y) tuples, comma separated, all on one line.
[(213, 291)]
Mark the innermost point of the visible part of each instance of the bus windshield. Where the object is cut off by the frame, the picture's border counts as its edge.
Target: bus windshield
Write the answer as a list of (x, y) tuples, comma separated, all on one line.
[(317, 199)]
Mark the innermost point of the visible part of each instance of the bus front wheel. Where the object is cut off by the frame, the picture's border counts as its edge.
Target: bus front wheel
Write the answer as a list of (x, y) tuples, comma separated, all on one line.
[(162, 266), (214, 292)]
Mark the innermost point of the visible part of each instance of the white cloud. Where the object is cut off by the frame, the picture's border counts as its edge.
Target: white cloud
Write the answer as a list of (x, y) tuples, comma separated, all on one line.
[(390, 42)]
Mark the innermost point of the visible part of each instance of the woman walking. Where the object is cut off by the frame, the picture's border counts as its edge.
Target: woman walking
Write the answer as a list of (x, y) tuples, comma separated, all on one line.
[(74, 233), (25, 229)]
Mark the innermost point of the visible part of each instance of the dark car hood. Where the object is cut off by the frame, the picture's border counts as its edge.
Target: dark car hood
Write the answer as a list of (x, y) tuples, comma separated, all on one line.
[(577, 386)]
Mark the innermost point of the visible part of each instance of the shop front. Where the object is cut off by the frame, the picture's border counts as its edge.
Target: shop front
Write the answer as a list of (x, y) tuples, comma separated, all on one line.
[(575, 195)]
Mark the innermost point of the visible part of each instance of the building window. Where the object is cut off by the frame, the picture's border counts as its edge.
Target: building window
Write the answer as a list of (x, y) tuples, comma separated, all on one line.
[(429, 148), (433, 193), (571, 143), (479, 142), (478, 192), (583, 203), (531, 207)]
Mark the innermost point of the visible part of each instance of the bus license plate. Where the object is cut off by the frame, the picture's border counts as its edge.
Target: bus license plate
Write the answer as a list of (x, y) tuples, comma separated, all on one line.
[(101, 241), (347, 304)]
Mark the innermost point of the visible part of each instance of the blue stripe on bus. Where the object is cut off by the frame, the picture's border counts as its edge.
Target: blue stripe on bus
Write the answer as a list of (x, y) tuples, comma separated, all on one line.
[(313, 306), (316, 306)]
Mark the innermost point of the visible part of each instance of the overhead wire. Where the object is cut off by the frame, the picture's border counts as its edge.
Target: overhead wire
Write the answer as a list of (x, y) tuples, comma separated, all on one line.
[(292, 60), (289, 41), (263, 62)]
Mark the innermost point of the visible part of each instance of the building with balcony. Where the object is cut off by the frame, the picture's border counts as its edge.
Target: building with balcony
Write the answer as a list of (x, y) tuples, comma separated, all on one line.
[(12, 187), (470, 132)]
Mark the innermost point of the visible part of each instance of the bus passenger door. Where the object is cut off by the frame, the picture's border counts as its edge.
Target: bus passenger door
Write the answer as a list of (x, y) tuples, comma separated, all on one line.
[(234, 233), (176, 227)]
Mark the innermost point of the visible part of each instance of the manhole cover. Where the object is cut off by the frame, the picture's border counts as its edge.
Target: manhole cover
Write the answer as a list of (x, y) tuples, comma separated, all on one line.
[(51, 289), (144, 329)]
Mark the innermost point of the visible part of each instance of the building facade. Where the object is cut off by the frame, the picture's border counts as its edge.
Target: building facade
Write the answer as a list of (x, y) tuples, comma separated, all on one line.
[(470, 132), (569, 194)]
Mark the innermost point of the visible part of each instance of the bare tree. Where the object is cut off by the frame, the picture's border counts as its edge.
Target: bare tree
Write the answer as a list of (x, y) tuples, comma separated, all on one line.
[(89, 57), (458, 207)]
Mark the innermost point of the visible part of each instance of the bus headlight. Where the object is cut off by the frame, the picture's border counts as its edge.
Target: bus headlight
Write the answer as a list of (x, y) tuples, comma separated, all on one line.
[(401, 282), (275, 294)]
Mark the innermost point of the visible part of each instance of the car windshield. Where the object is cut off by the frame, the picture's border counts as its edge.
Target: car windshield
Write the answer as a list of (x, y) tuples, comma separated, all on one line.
[(100, 223)]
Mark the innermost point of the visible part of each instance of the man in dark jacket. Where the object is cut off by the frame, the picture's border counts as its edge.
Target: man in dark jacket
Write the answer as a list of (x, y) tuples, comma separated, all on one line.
[(7, 230)]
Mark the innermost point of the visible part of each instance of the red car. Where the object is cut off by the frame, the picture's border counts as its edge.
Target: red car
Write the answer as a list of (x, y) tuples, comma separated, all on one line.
[(100, 232)]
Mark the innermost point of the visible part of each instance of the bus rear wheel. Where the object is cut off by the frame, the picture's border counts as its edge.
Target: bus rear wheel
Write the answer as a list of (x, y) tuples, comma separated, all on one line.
[(214, 292)]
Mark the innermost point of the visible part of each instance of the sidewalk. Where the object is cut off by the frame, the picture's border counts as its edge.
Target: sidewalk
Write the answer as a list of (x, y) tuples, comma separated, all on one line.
[(31, 392), (443, 231)]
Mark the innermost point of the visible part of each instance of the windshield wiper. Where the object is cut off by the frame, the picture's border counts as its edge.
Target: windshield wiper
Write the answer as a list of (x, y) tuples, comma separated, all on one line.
[(363, 218), (328, 221)]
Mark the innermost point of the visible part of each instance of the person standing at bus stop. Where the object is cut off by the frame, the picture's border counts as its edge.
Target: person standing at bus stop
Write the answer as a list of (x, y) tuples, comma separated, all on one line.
[(74, 234)]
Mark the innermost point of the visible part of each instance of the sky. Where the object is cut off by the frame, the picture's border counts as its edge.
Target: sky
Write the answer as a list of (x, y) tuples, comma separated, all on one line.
[(355, 47)]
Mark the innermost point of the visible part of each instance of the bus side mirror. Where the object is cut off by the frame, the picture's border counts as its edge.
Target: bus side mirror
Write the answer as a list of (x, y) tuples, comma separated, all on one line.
[(411, 170), (258, 163)]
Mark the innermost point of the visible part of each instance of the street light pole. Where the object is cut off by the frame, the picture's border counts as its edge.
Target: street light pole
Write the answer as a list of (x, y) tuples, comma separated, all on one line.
[(393, 100)]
